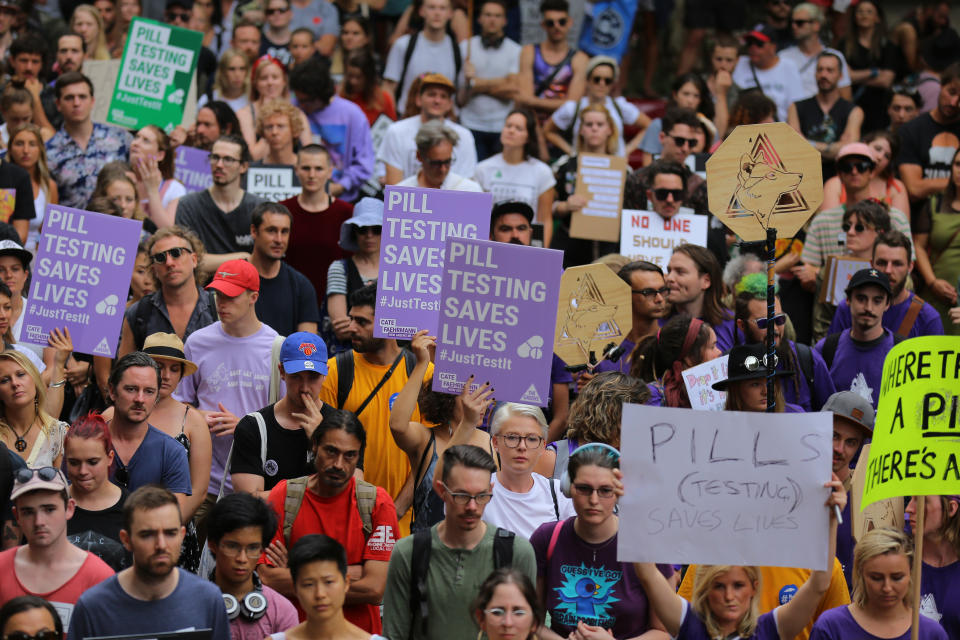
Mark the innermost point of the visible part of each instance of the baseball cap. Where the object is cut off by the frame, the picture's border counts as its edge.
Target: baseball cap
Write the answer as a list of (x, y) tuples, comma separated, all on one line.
[(14, 248), (512, 206), (854, 407), (857, 149), (233, 277), (762, 32), (303, 351), (366, 213), (869, 276), (437, 79), (42, 479)]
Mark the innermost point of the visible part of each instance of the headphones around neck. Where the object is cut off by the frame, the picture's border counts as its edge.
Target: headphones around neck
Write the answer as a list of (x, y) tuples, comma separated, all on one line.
[(565, 479), (252, 606)]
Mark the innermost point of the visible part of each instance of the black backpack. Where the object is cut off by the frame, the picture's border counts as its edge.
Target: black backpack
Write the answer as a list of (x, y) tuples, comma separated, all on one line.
[(831, 342)]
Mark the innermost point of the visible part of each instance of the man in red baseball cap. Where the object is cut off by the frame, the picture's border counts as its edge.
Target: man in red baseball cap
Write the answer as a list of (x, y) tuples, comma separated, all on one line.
[(761, 68)]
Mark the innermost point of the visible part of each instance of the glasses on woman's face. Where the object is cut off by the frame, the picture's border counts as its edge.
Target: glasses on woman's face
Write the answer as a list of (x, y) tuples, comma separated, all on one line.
[(375, 231), (512, 440), (857, 228), (607, 80), (585, 490), (753, 363)]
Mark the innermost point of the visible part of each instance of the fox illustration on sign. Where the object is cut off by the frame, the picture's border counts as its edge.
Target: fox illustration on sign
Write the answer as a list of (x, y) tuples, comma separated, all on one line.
[(761, 185)]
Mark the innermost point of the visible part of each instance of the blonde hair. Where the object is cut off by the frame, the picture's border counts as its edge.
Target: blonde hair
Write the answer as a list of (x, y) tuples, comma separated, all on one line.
[(702, 584), (221, 76), (275, 107), (42, 170), (116, 171), (46, 420), (613, 140), (515, 409), (99, 50), (878, 542)]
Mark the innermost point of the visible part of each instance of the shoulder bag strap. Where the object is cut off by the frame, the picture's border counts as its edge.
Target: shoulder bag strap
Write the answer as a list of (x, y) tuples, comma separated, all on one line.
[(380, 384), (911, 317), (296, 489)]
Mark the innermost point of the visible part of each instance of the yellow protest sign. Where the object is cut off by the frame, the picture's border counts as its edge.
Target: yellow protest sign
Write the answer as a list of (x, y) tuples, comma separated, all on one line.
[(916, 438)]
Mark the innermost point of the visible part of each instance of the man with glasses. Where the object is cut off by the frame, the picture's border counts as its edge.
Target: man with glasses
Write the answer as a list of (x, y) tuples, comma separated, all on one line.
[(275, 40), (522, 500), (435, 150), (806, 22), (241, 527), (333, 502), (453, 557), (47, 566), (649, 303), (676, 141), (761, 68), (220, 215)]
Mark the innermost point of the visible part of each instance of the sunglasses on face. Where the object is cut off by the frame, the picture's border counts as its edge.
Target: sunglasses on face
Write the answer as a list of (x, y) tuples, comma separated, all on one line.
[(753, 42), (862, 166), (273, 12), (753, 363), (680, 141), (857, 228), (362, 231), (160, 257), (779, 320), (663, 194), (801, 23), (601, 80), (550, 24), (436, 164), (650, 291)]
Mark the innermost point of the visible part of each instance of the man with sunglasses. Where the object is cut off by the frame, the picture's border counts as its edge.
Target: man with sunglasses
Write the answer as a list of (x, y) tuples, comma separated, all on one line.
[(435, 149), (333, 502), (761, 68), (453, 557), (806, 22), (47, 566), (276, 34), (676, 140)]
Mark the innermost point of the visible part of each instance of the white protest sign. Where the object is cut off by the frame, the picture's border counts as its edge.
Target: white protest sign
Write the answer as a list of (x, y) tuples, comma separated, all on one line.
[(725, 487), (699, 383), (644, 235), (273, 183)]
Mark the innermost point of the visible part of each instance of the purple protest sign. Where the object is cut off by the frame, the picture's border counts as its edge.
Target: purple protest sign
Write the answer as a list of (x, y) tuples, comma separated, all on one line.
[(192, 168), (497, 318), (416, 222), (80, 279)]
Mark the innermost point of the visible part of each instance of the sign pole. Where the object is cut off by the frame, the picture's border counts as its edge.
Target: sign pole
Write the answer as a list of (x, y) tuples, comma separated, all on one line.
[(771, 335), (917, 566)]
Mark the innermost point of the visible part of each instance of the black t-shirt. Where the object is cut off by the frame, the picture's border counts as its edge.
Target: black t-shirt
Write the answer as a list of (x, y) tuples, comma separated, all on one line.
[(17, 179), (220, 232), (929, 144), (287, 300), (288, 450), (99, 532), (873, 100)]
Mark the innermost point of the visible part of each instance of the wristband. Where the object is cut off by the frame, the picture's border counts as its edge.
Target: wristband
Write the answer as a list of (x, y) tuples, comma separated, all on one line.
[(57, 385)]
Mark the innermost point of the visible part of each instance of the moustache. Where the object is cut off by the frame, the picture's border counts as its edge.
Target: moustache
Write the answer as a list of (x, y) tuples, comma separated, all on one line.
[(334, 472), (515, 241)]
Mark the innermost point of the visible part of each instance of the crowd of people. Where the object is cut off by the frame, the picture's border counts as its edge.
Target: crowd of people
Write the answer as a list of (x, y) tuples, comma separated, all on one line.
[(254, 463)]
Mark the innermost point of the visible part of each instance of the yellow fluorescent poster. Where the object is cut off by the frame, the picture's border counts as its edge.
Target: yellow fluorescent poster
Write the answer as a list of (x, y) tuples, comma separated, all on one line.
[(916, 439)]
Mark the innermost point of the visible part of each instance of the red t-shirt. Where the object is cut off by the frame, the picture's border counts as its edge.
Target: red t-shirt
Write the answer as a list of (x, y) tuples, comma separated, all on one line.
[(92, 572), (339, 518), (313, 246)]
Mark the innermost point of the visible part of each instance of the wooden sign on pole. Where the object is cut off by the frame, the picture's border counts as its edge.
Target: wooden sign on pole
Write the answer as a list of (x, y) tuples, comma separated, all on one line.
[(595, 311), (884, 514), (600, 182)]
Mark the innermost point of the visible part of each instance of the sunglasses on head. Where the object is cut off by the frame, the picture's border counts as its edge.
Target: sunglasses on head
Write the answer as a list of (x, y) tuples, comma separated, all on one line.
[(160, 257), (46, 474), (601, 80), (753, 363), (550, 24), (681, 141), (780, 319), (663, 194), (861, 166), (858, 228)]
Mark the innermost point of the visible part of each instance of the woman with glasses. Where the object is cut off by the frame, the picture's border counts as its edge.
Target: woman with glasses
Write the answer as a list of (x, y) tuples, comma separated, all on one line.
[(746, 382), (360, 235), (98, 516), (689, 92), (87, 23), (269, 82), (883, 184), (455, 419), (603, 598), (602, 71), (30, 618), (507, 607)]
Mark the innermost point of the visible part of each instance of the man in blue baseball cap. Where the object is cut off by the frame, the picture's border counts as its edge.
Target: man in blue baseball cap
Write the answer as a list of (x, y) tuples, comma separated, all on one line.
[(273, 444)]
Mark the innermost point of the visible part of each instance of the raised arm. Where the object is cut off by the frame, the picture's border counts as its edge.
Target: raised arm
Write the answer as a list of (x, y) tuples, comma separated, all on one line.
[(794, 616), (474, 406), (665, 604), (412, 436)]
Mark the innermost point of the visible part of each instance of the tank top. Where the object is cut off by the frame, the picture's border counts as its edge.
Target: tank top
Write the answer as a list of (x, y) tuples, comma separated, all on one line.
[(541, 69), (427, 505)]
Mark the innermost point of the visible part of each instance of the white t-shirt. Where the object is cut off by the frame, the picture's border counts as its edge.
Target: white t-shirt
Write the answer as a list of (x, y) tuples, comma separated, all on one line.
[(399, 148), (235, 103), (428, 56), (522, 513), (453, 182), (807, 68), (562, 116), (484, 112), (781, 83), (523, 182)]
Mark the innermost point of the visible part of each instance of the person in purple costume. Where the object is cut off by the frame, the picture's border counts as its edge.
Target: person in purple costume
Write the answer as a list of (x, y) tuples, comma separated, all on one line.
[(940, 578), (659, 360), (881, 594), (696, 287), (725, 602)]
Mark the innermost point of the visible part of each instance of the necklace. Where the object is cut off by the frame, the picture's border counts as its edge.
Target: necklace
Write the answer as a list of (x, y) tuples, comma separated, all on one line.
[(21, 442)]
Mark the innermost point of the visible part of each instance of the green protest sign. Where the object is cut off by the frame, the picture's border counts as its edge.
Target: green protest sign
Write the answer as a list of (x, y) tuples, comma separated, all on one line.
[(155, 75)]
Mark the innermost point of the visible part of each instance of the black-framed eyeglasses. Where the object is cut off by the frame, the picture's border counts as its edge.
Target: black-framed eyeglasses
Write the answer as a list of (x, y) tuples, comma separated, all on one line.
[(586, 491), (215, 158), (39, 635), (550, 24), (601, 80), (464, 499), (512, 440), (780, 319), (437, 164), (863, 166), (233, 549), (46, 474), (160, 257), (649, 292), (801, 23), (663, 194), (857, 228), (680, 141), (753, 363)]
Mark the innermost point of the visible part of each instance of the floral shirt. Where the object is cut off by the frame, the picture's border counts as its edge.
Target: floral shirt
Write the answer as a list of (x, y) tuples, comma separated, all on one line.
[(76, 169)]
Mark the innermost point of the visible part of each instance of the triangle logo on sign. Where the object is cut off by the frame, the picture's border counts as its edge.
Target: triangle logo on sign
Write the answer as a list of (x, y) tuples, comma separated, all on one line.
[(531, 395), (790, 201), (103, 347)]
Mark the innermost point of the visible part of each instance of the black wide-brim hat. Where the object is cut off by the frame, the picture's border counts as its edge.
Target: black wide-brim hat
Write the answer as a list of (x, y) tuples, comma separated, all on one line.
[(737, 366)]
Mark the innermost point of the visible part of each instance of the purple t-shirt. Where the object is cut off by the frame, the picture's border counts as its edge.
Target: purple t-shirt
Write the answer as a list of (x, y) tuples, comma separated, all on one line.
[(846, 543), (586, 582), (622, 364), (725, 334), (823, 387), (838, 624), (859, 362), (656, 394), (940, 596), (692, 627), (230, 370), (928, 322), (280, 616)]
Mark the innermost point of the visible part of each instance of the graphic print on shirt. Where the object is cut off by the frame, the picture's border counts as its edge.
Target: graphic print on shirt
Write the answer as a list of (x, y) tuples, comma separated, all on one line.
[(942, 149), (859, 386), (586, 593), (928, 607)]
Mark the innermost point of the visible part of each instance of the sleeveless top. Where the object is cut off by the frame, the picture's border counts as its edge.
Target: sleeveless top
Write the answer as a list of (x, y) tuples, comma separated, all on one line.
[(541, 69), (182, 437), (427, 505)]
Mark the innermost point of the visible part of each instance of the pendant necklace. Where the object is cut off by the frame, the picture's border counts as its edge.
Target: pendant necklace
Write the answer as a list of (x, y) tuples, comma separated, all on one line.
[(21, 443)]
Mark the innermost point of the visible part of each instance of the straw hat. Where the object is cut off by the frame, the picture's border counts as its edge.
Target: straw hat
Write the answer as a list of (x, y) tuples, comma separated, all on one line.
[(168, 346)]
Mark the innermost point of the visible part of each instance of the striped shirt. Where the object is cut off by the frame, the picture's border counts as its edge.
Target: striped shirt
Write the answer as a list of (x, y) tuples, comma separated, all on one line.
[(825, 229)]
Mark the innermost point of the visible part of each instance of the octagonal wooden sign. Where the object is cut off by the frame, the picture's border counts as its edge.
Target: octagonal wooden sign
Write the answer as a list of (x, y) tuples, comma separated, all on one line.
[(764, 176), (594, 312)]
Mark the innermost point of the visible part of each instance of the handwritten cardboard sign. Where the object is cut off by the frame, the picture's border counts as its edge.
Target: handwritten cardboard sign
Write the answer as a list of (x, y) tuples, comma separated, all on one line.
[(416, 223), (725, 487), (192, 168), (273, 183), (645, 235), (699, 383), (600, 180), (497, 318), (81, 278), (594, 313), (885, 514)]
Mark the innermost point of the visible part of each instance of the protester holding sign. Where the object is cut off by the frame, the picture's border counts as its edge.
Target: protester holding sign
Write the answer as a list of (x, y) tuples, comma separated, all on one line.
[(881, 594), (940, 578), (725, 598)]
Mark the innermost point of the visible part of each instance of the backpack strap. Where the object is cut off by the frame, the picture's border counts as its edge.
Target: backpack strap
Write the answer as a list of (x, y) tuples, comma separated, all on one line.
[(457, 57), (407, 55), (911, 317), (830, 344), (262, 426), (344, 361), (547, 79), (503, 548), (366, 501), (274, 393), (409, 361), (139, 328), (553, 494), (296, 488), (563, 457), (422, 540), (554, 535), (805, 360)]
